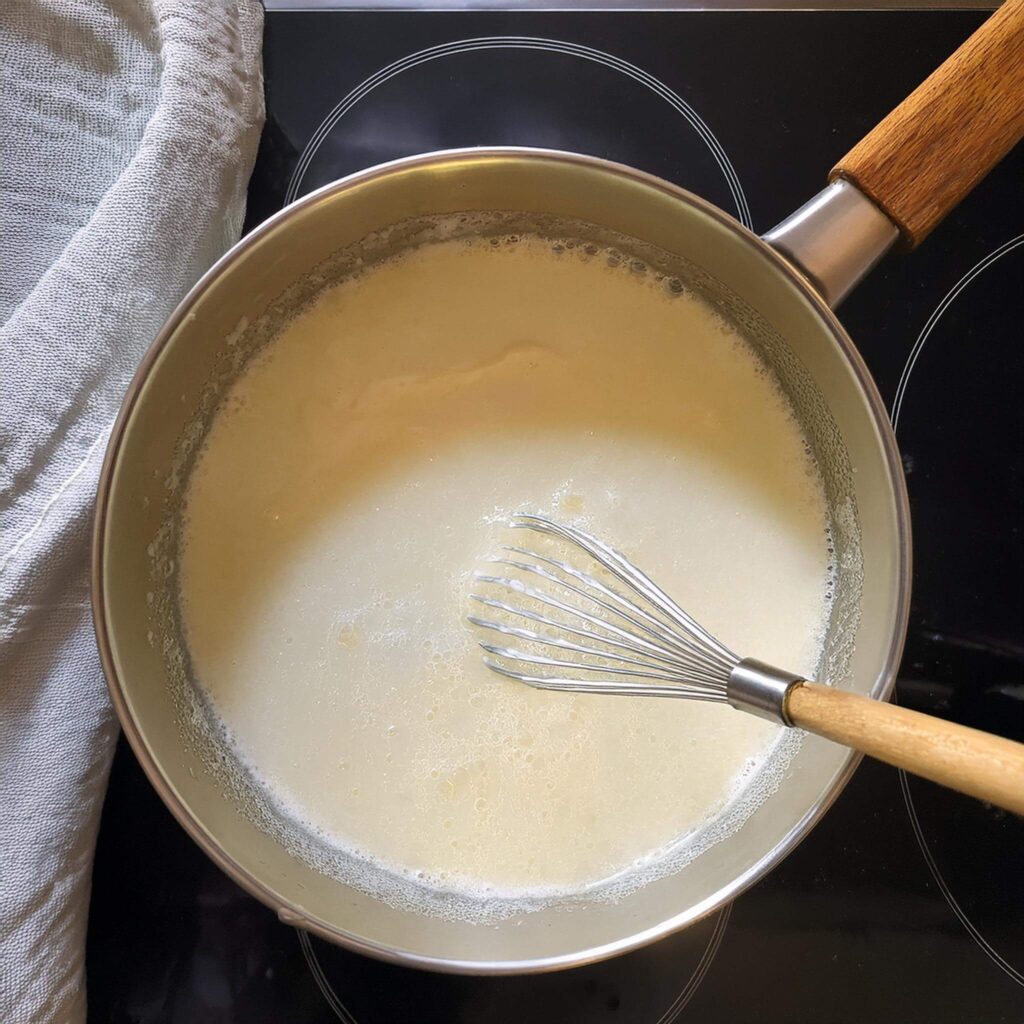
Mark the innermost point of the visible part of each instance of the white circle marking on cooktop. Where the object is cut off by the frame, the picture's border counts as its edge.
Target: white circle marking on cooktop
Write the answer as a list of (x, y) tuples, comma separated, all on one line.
[(674, 1012), (979, 268), (524, 43), (671, 1015), (320, 978)]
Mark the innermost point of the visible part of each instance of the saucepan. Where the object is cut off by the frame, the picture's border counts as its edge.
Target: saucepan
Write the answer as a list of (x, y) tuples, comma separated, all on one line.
[(891, 189)]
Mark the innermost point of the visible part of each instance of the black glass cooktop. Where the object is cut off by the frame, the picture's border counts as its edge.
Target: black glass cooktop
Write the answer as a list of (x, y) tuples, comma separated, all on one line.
[(907, 903)]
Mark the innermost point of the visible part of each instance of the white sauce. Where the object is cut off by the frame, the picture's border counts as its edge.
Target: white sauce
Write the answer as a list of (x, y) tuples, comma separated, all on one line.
[(360, 471)]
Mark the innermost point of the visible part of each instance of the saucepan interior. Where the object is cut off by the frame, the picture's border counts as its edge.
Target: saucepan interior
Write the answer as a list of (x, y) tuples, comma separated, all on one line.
[(231, 313)]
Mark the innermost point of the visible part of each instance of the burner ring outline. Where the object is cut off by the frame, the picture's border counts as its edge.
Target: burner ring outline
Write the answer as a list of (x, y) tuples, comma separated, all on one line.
[(588, 53), (986, 947), (671, 1015)]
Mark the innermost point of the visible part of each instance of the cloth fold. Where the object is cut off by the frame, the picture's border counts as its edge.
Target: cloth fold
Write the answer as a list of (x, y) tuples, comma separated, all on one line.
[(127, 134)]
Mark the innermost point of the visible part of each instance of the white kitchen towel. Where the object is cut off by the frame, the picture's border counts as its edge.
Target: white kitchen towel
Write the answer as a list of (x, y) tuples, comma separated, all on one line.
[(127, 134)]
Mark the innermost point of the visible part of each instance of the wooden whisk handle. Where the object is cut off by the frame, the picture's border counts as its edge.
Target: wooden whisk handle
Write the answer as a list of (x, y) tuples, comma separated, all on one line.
[(984, 766), (922, 159)]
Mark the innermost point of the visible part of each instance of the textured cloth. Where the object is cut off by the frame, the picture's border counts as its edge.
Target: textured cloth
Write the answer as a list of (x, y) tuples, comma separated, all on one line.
[(127, 135)]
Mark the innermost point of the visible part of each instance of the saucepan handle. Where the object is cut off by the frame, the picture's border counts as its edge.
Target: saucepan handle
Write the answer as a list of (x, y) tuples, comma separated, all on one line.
[(948, 133), (973, 762), (899, 181)]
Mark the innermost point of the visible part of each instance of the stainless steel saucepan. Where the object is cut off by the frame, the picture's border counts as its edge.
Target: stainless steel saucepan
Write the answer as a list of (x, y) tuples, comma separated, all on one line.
[(895, 185)]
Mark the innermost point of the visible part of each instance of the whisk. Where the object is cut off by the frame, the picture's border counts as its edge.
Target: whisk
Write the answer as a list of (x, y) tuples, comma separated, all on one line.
[(627, 637)]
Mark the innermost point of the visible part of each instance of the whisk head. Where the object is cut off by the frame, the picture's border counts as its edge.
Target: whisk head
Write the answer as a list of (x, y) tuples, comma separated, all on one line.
[(618, 635)]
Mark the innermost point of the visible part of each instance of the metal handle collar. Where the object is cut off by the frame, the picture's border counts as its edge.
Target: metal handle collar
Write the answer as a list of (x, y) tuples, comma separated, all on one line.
[(761, 689)]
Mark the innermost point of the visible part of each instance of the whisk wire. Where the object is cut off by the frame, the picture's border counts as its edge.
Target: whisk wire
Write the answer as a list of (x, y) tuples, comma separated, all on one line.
[(648, 672), (661, 641), (620, 567), (621, 637), (569, 685), (550, 640), (517, 586), (637, 617)]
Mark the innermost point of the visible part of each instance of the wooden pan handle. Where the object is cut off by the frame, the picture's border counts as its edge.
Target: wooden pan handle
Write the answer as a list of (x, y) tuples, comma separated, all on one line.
[(973, 762), (949, 132)]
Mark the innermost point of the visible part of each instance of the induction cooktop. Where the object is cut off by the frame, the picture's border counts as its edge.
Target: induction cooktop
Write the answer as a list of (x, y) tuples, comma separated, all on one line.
[(907, 902)]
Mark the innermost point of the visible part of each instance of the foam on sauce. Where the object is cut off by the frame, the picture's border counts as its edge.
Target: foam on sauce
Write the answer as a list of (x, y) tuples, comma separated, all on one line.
[(365, 464)]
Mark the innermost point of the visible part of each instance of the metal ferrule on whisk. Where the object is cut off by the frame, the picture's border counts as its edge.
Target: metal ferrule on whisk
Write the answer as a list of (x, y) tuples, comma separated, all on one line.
[(761, 689)]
